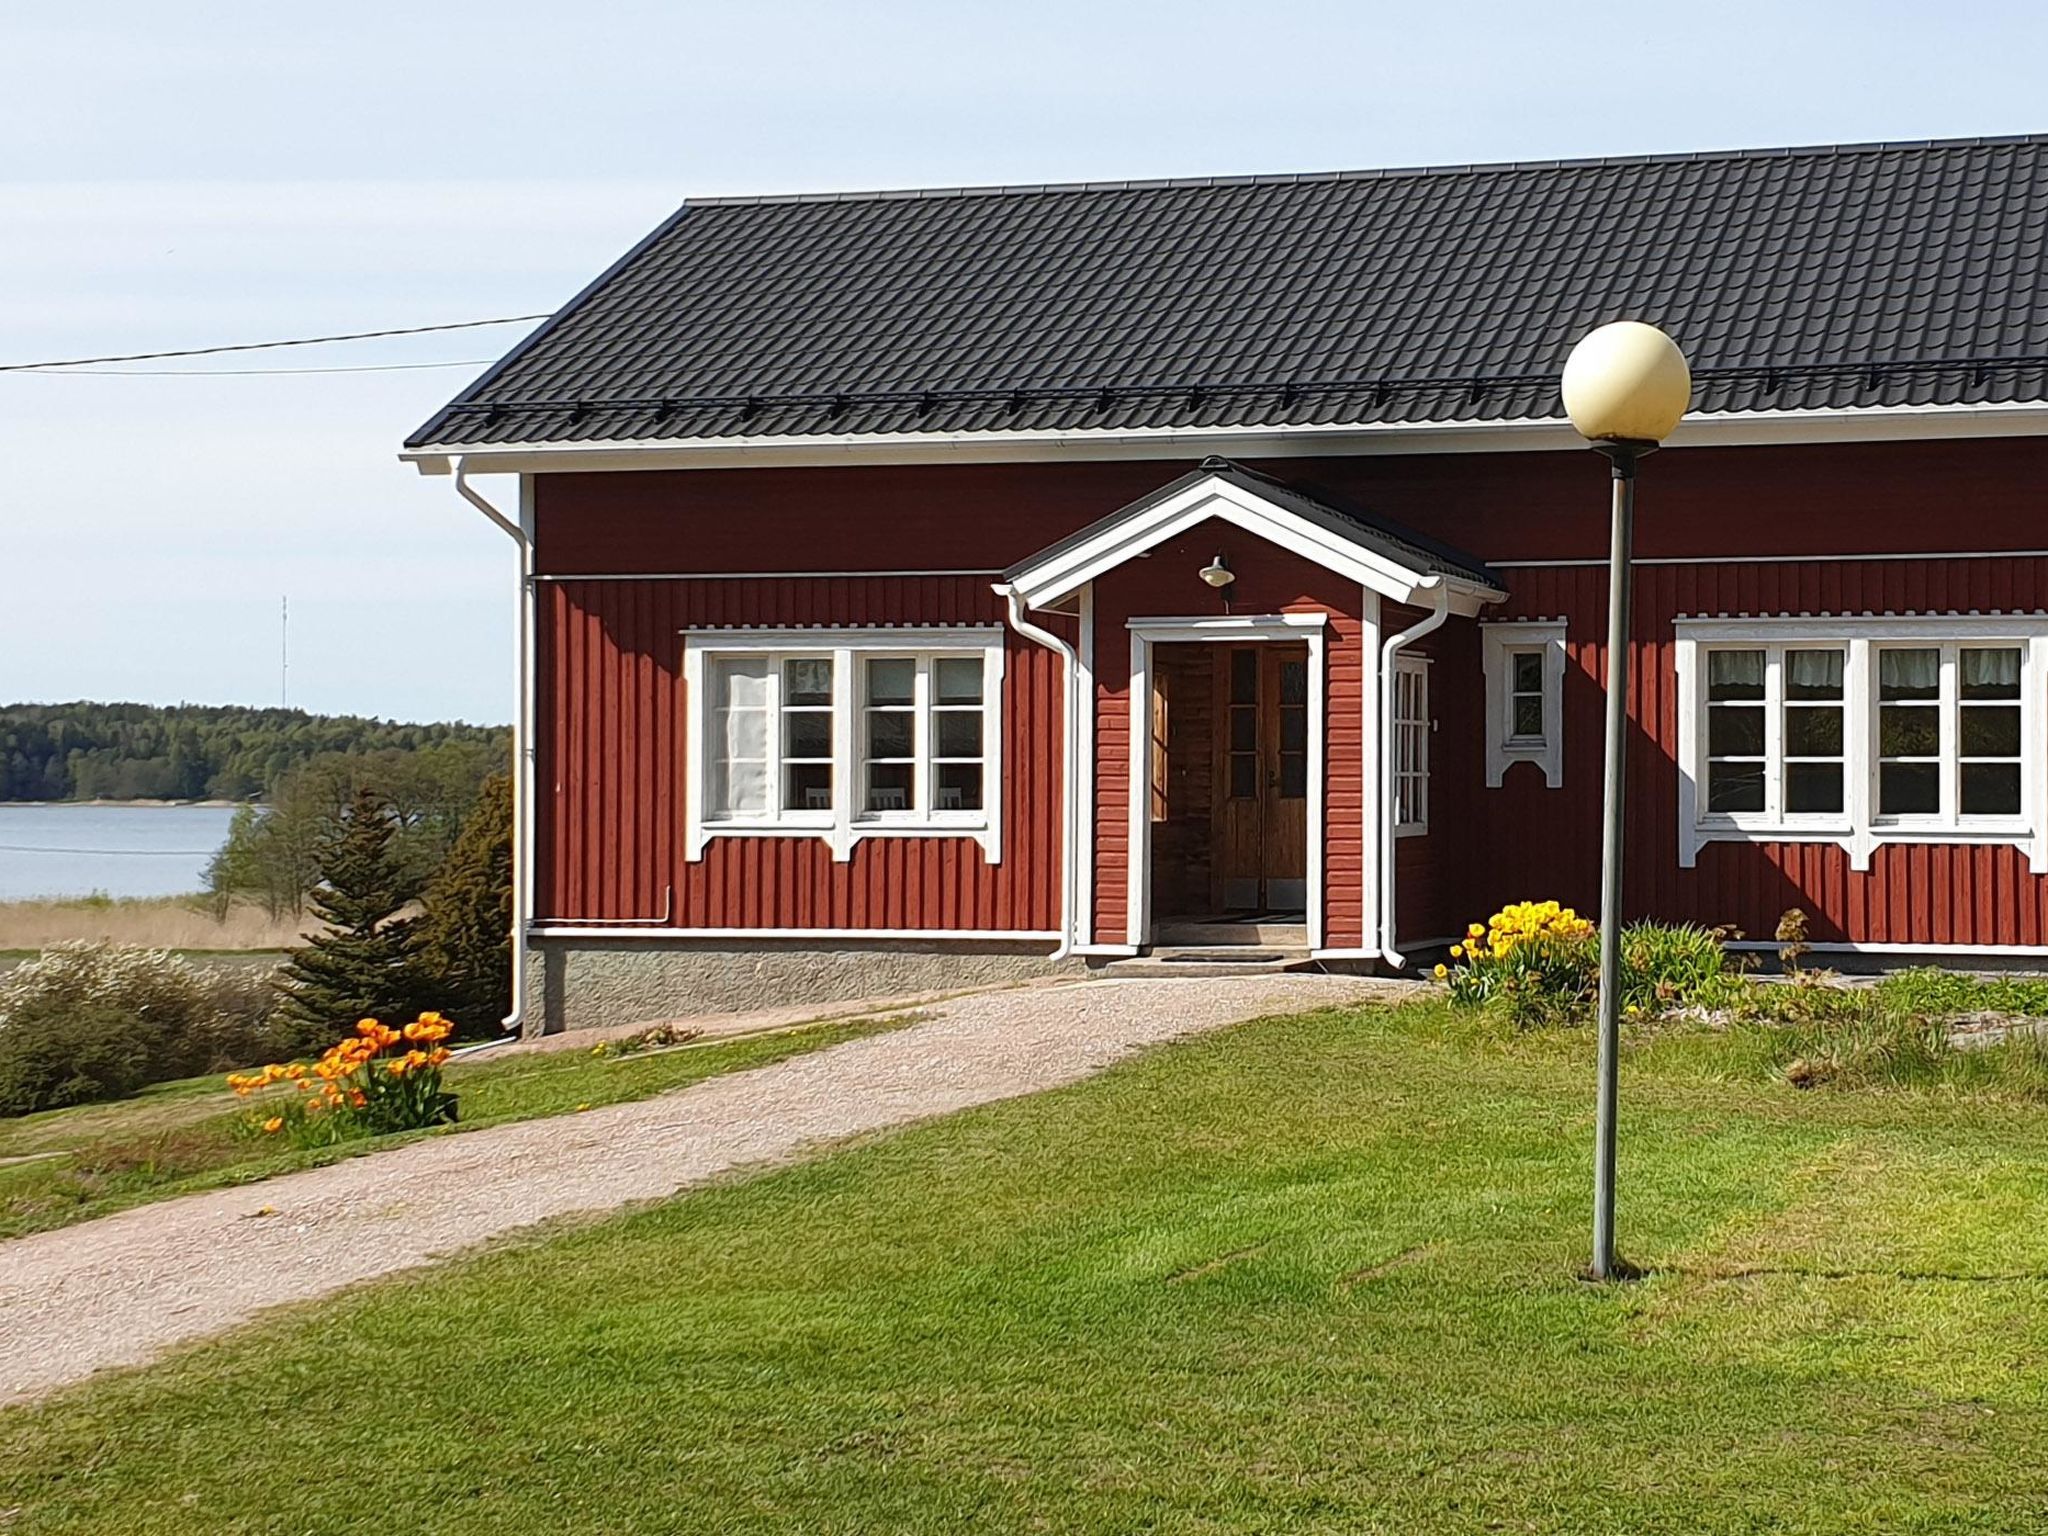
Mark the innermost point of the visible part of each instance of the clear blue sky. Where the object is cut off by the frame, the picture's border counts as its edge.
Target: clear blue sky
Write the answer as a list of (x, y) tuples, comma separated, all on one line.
[(182, 175)]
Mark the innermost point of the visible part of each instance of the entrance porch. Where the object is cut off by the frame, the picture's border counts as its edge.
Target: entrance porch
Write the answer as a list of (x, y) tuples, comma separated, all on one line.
[(1249, 738)]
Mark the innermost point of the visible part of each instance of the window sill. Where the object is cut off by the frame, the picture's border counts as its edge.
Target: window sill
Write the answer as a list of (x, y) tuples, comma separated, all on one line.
[(843, 838), (1859, 845)]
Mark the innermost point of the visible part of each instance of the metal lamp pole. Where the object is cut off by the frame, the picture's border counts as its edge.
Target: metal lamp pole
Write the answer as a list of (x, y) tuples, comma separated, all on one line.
[(1625, 387), (1623, 455)]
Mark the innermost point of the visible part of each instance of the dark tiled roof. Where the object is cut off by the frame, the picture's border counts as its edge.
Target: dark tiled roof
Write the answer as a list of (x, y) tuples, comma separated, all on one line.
[(1406, 548), (1795, 279)]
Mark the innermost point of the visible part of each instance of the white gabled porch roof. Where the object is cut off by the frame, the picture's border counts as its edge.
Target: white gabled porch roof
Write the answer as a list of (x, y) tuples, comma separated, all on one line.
[(1400, 566)]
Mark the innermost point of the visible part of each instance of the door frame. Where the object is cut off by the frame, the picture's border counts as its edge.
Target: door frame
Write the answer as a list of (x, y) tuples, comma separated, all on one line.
[(1231, 629)]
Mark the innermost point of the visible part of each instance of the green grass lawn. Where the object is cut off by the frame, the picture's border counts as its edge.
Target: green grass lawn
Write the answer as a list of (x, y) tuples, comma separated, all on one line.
[(70, 1165), (1309, 1275)]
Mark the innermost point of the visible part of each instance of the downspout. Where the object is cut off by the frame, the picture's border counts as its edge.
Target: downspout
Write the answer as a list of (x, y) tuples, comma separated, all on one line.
[(521, 534), (1440, 591), (1070, 764)]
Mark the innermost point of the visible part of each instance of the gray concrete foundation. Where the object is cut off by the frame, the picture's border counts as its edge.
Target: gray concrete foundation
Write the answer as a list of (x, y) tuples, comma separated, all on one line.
[(583, 983)]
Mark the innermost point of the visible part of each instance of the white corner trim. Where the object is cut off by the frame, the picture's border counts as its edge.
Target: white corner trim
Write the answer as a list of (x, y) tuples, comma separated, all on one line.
[(1086, 788), (1500, 641), (841, 828), (1214, 498), (1373, 801), (1391, 647), (1857, 830), (1145, 633)]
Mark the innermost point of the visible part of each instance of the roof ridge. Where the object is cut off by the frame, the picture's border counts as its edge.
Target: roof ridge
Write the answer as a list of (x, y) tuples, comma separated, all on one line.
[(1387, 173)]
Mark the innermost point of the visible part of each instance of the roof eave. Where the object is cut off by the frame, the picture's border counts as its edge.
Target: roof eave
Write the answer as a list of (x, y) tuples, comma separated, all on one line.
[(1707, 429)]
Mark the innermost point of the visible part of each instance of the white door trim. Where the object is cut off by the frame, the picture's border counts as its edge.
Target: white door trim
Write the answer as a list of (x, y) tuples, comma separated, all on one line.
[(1234, 628)]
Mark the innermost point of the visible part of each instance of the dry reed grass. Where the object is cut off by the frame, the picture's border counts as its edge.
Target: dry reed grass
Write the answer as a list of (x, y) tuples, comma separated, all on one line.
[(167, 922)]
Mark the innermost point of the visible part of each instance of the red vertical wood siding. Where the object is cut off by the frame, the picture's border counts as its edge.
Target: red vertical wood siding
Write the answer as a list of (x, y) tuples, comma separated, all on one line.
[(611, 732), (1545, 843), (611, 750), (1164, 584)]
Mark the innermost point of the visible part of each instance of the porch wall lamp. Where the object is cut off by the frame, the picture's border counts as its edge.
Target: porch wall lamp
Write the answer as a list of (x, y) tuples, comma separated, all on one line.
[(1218, 574), (1626, 386)]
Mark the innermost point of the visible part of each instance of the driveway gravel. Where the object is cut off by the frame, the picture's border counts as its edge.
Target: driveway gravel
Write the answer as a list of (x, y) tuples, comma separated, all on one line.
[(120, 1290)]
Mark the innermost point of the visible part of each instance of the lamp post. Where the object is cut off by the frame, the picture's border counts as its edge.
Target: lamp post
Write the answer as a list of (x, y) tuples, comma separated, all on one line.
[(1625, 387)]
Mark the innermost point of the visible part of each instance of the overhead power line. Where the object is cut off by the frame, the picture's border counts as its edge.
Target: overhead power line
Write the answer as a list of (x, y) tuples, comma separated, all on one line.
[(78, 372), (265, 346), (164, 853)]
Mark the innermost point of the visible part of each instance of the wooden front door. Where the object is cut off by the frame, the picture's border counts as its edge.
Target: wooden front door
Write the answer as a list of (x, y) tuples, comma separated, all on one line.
[(1259, 818)]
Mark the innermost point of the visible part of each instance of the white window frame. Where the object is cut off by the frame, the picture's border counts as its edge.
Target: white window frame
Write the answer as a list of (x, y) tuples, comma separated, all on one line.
[(847, 823), (1859, 828), (1502, 643), (1416, 667)]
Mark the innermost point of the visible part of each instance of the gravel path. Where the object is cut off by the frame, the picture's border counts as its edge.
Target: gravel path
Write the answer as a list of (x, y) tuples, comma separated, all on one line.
[(120, 1290)]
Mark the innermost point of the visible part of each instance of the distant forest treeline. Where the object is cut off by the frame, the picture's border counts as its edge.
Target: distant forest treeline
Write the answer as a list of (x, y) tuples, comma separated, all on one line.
[(191, 752)]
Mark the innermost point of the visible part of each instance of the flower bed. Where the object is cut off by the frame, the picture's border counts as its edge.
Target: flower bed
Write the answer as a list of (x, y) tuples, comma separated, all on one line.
[(373, 1082), (1539, 962)]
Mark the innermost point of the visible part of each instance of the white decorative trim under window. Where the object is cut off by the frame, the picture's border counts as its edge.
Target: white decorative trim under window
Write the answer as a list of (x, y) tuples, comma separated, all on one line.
[(1861, 731), (1411, 746), (844, 734), (1524, 698)]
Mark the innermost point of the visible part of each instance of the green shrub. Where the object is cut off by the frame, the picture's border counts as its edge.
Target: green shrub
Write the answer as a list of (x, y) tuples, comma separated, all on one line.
[(164, 995), (189, 1019), (55, 1053), (1677, 965), (464, 953), (1539, 963)]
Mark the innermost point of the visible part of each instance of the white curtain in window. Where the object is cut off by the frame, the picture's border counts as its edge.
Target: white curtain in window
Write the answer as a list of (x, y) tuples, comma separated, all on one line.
[(739, 737), (1909, 673), (1813, 674), (1991, 673)]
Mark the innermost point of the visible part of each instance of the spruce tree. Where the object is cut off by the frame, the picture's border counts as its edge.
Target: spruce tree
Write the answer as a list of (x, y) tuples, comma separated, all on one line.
[(362, 966), (465, 939)]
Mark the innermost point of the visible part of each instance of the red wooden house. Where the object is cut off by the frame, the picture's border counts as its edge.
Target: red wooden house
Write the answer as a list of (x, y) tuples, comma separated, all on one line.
[(940, 586)]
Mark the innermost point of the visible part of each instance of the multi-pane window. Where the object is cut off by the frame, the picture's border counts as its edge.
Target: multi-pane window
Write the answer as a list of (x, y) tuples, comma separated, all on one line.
[(1525, 672), (1813, 730), (1525, 698), (1910, 731), (1293, 728), (890, 740), (807, 733), (1736, 715), (1988, 730), (1411, 745), (1775, 731), (740, 726), (957, 726), (844, 737), (924, 752), (1776, 728), (771, 738), (1949, 732), (1243, 725)]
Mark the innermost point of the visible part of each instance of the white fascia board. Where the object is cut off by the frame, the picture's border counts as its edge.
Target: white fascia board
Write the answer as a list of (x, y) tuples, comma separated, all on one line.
[(1520, 435), (1215, 498)]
